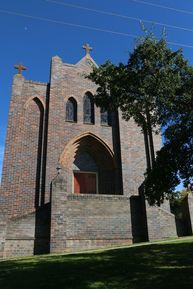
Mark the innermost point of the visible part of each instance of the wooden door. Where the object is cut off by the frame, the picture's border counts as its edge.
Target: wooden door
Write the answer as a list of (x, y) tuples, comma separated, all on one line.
[(85, 183)]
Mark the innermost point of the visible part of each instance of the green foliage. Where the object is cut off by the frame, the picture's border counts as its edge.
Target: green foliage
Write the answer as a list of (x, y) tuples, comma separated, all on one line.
[(174, 161), (152, 73), (161, 181), (159, 265), (155, 89)]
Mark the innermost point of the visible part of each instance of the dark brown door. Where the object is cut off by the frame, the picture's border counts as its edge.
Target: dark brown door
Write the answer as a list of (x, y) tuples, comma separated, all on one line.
[(84, 183)]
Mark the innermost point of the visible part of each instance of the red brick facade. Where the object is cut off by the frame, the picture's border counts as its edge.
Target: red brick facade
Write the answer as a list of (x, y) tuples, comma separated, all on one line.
[(39, 138)]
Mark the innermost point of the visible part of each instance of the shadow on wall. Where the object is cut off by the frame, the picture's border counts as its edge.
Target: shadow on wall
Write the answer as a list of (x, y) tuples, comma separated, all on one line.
[(150, 223), (138, 219), (42, 230), (180, 209)]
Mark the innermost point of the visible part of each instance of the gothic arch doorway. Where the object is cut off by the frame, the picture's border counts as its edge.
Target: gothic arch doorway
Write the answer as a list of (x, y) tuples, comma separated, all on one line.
[(89, 166)]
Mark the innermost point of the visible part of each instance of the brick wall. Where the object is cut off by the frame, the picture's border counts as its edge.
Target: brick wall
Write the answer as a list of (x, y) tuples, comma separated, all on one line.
[(182, 209), (160, 223), (21, 164), (20, 236), (69, 81), (38, 137), (3, 229), (26, 235), (125, 140), (133, 157), (87, 221)]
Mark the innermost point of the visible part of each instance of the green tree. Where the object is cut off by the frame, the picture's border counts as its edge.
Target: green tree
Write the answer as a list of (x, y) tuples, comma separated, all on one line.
[(152, 89), (174, 161)]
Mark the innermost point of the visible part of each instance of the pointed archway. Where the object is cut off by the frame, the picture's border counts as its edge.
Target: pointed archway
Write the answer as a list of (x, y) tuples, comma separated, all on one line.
[(89, 165)]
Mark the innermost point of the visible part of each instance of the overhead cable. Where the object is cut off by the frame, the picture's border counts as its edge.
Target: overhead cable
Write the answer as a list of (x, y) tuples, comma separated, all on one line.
[(163, 6), (83, 26), (119, 15)]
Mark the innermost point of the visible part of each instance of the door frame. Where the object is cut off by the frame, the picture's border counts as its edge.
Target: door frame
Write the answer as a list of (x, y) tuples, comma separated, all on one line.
[(83, 172)]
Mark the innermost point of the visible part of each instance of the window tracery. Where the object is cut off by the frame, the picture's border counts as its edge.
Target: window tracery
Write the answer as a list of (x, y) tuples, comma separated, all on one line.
[(71, 110), (105, 117), (88, 109)]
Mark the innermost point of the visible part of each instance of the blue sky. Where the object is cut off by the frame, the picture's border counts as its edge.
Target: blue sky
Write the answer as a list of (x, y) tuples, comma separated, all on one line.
[(33, 41)]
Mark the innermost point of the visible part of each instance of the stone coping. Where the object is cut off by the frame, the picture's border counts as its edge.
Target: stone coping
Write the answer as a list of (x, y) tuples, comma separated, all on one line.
[(36, 82), (97, 197), (164, 210)]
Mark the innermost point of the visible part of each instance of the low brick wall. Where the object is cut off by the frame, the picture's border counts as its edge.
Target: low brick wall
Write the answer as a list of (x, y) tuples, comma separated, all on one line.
[(181, 209), (26, 235), (20, 236), (3, 228), (18, 247), (77, 245), (89, 221), (95, 221), (160, 222)]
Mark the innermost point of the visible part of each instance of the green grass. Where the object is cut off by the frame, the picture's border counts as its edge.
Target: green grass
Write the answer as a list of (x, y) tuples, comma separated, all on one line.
[(158, 265)]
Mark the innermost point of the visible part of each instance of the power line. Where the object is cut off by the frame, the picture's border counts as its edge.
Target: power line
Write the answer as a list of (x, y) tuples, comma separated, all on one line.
[(83, 26), (66, 23), (119, 15), (163, 6), (180, 44)]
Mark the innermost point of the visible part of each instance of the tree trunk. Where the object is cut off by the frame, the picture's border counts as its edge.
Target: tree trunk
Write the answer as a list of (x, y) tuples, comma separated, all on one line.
[(150, 136), (146, 141)]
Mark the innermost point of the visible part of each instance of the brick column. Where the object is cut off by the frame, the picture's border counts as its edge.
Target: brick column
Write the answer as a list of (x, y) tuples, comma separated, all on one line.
[(58, 218), (13, 149)]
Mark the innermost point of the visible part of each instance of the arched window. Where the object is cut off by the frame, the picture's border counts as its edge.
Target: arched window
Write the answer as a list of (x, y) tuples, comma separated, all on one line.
[(105, 117), (88, 108), (71, 110)]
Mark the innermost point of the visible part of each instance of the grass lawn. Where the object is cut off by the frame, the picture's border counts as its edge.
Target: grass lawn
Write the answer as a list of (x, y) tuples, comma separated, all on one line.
[(156, 265)]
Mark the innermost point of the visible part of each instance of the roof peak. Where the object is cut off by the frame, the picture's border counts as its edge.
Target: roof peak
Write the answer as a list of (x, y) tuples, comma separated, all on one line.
[(87, 60)]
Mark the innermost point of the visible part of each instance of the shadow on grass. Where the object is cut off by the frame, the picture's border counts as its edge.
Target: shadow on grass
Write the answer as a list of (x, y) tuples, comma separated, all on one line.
[(145, 267)]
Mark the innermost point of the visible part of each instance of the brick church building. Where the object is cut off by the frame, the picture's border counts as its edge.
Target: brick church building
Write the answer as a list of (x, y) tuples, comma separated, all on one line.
[(71, 172)]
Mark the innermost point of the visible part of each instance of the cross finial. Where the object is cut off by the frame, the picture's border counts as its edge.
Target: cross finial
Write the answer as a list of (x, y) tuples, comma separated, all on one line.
[(20, 67), (87, 48)]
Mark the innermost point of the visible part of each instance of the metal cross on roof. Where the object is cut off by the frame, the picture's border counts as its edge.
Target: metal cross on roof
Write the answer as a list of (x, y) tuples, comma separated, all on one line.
[(20, 67), (87, 48)]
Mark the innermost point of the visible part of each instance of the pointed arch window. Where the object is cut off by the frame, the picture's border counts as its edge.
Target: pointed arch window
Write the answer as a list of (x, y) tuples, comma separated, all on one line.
[(105, 117), (88, 108), (71, 110)]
